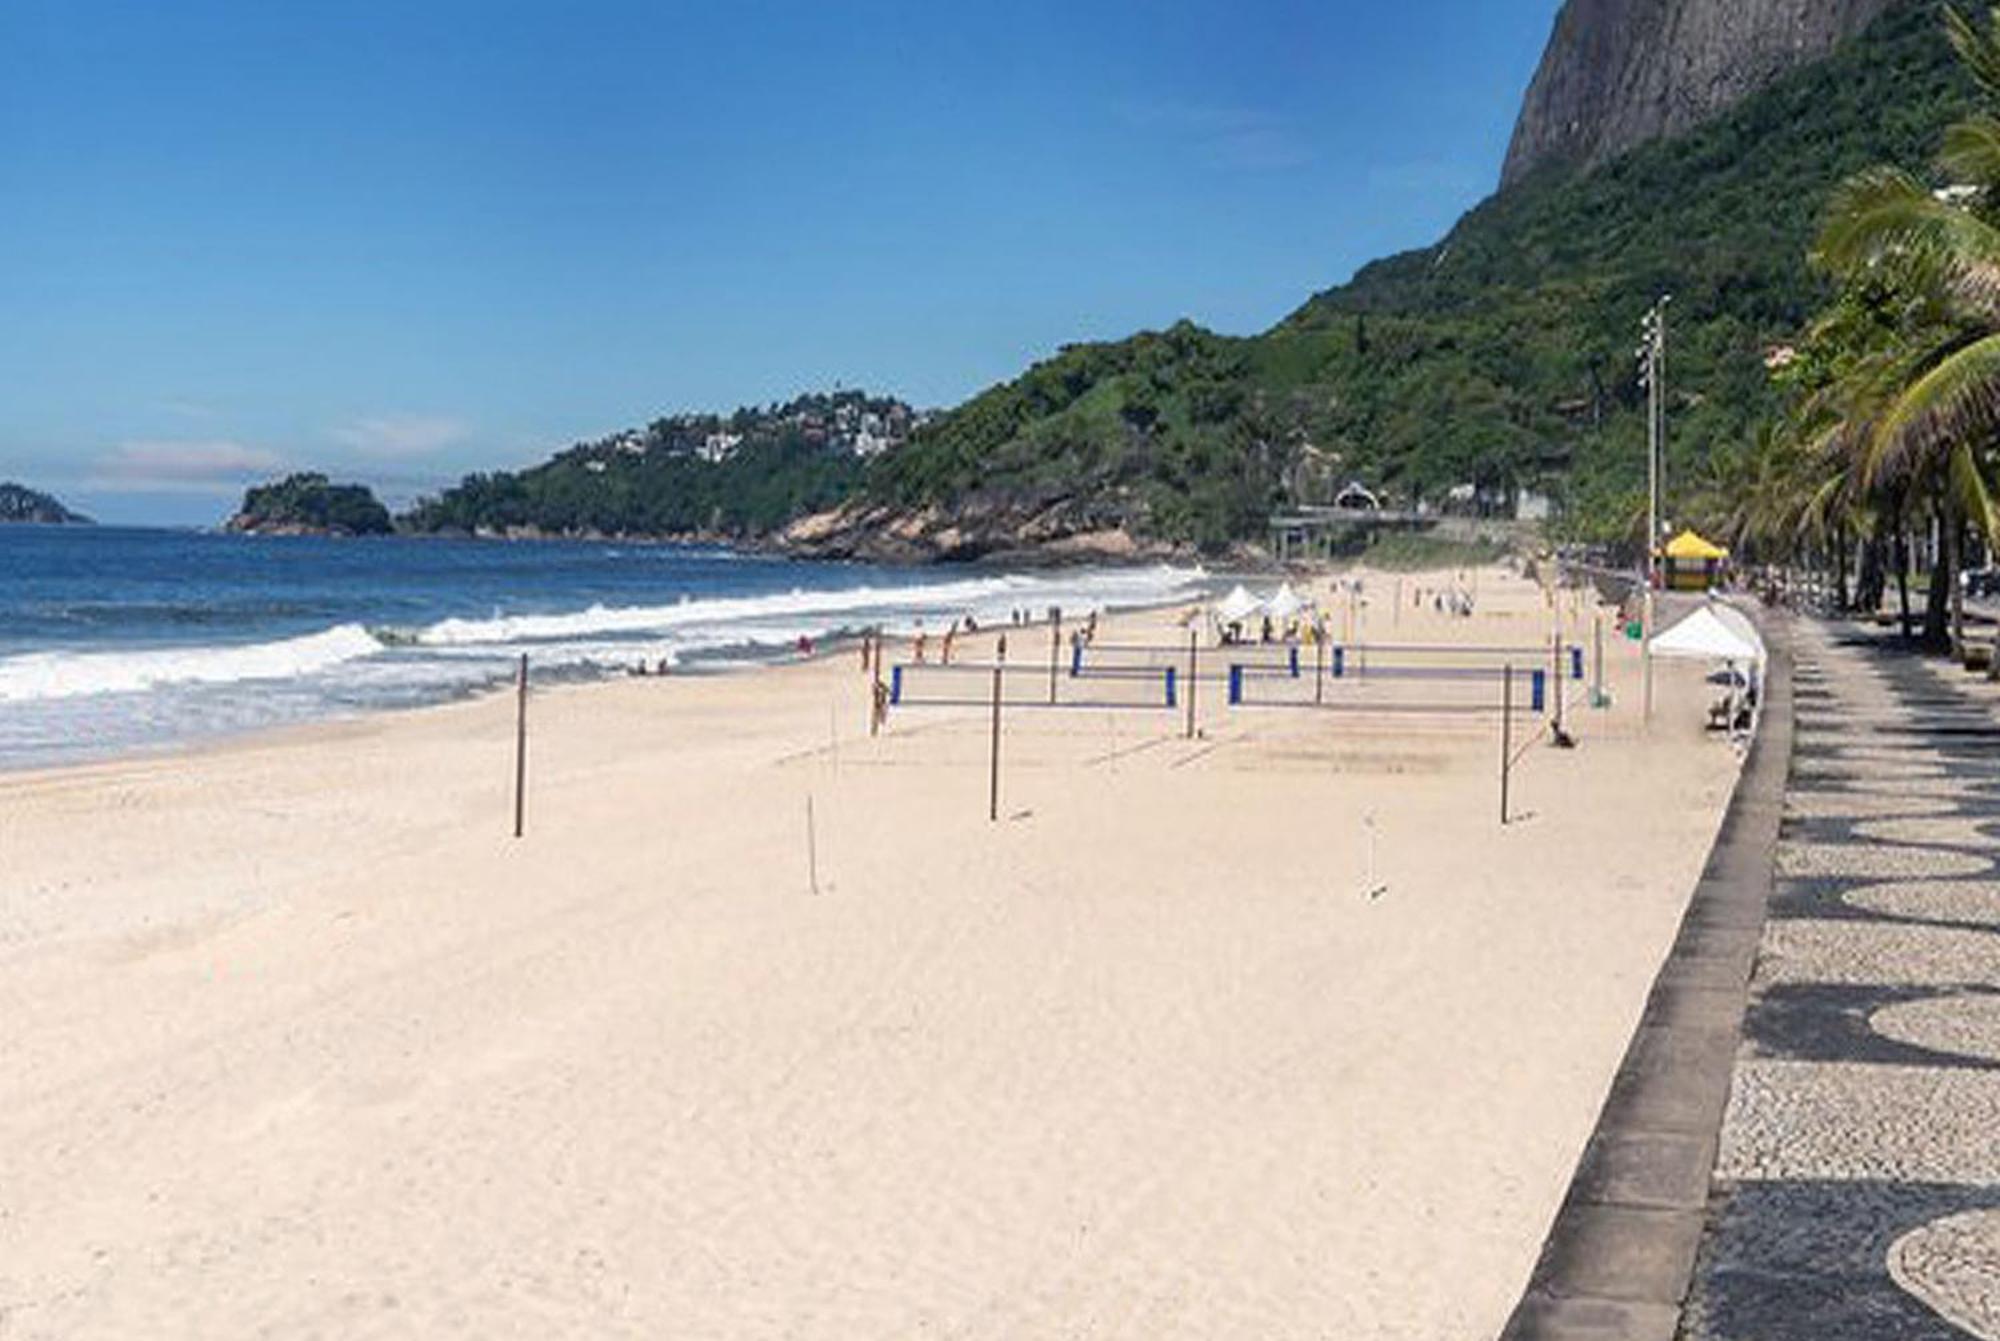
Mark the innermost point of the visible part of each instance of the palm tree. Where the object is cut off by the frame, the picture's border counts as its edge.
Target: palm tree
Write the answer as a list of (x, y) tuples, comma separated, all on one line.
[(1919, 411)]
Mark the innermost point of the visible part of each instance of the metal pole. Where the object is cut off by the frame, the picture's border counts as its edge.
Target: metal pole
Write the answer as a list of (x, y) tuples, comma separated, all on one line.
[(1194, 636), (1646, 657), (1506, 737), (521, 746)]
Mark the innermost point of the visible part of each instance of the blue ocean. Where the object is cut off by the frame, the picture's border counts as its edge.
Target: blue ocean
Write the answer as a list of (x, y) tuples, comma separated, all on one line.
[(114, 640)]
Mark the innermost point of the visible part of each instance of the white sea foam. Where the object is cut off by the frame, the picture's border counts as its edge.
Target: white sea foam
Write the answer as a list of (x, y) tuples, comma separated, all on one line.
[(818, 612), (55, 675)]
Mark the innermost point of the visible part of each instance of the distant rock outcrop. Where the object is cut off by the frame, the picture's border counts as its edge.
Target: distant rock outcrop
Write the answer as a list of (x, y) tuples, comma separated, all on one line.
[(18, 503), (311, 504), (1618, 73), (993, 528)]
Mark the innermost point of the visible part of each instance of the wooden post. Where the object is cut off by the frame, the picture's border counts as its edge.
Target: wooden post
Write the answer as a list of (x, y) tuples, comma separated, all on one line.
[(1597, 671), (993, 786), (1194, 636), (812, 846), (1556, 681), (521, 747), (1506, 736), (875, 691), (1055, 650)]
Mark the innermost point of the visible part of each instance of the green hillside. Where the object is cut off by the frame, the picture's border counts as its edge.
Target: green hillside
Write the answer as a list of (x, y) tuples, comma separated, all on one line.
[(1501, 357), (738, 475)]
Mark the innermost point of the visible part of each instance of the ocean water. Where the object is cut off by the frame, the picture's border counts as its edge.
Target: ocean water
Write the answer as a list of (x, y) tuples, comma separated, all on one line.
[(114, 640)]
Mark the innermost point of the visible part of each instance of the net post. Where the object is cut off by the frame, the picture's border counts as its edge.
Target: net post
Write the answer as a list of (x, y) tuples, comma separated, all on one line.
[(521, 747), (1194, 655), (878, 705), (1556, 680), (993, 754), (1055, 650)]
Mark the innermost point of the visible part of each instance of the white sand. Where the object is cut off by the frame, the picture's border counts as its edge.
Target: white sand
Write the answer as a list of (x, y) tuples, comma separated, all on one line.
[(298, 1042)]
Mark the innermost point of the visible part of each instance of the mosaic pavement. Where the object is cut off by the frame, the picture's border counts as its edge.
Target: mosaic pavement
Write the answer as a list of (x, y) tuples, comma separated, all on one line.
[(1857, 1187)]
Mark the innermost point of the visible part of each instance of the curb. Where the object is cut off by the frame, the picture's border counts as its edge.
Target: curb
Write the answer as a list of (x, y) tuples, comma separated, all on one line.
[(1620, 1256)]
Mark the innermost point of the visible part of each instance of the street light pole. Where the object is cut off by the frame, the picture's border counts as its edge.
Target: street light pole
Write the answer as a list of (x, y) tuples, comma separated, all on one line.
[(1653, 361)]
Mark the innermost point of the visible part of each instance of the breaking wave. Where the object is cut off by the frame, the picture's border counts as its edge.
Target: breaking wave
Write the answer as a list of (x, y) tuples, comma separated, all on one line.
[(53, 675)]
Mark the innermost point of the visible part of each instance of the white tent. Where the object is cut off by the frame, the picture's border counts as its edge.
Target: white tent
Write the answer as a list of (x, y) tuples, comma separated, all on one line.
[(1238, 606), (1706, 635), (1284, 602)]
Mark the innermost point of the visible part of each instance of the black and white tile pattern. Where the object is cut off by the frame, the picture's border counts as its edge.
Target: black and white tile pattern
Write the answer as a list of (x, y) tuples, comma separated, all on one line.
[(1857, 1186)]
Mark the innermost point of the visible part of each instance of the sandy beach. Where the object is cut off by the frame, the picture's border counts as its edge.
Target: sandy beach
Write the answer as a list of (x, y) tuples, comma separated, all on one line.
[(1272, 1033)]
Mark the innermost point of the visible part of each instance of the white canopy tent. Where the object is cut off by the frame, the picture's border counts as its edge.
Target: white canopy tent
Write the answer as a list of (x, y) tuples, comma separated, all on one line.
[(1718, 633), (1707, 635), (1238, 606), (1284, 603)]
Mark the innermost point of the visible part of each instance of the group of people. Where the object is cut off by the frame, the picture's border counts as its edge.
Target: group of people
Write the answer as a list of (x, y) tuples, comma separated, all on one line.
[(1455, 601), (968, 623)]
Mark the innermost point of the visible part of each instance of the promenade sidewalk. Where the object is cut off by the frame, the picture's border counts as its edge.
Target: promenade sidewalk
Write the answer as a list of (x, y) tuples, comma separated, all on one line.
[(1857, 1186)]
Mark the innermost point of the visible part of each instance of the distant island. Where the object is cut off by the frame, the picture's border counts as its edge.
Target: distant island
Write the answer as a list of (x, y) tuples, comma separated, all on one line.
[(310, 504), (18, 503)]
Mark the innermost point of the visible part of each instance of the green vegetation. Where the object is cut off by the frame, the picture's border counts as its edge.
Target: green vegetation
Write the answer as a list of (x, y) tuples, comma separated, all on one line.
[(310, 502), (732, 476), (1895, 410), (1501, 357)]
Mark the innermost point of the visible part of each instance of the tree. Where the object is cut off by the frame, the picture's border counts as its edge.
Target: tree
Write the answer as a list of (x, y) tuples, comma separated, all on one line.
[(1913, 408)]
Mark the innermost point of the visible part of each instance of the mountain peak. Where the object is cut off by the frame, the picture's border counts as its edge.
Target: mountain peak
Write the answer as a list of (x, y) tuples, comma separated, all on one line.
[(1618, 73)]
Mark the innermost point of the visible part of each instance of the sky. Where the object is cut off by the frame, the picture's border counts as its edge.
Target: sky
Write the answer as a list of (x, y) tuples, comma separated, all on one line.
[(402, 241)]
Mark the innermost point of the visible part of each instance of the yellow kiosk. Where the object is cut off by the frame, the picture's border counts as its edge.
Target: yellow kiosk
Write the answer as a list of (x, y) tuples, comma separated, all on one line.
[(1693, 564)]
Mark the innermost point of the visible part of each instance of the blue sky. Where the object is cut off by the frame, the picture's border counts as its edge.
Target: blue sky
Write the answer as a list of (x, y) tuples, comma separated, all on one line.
[(399, 241)]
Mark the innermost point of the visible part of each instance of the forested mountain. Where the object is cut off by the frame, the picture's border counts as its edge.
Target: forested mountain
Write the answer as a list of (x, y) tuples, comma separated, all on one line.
[(1500, 357), (728, 476)]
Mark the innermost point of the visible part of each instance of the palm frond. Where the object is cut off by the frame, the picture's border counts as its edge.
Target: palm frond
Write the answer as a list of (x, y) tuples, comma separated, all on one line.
[(1971, 153), (1885, 212), (1978, 46), (1954, 402)]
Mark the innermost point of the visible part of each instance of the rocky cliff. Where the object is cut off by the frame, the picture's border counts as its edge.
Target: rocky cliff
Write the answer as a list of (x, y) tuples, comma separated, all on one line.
[(1618, 73)]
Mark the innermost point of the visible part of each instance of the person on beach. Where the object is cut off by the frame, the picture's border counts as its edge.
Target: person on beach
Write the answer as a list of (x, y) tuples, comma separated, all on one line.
[(917, 652), (944, 647)]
